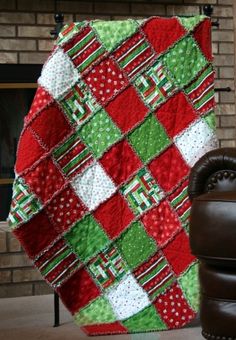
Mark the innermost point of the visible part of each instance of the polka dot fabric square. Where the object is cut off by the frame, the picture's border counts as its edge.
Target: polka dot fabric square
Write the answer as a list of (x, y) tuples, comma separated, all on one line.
[(41, 99), (184, 60), (65, 209), (173, 308), (135, 245), (45, 179), (99, 133), (149, 139), (100, 191), (127, 294), (161, 223), (105, 80)]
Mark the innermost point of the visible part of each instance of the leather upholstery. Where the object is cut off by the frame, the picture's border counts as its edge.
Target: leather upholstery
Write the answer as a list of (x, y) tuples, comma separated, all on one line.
[(212, 189), (219, 165)]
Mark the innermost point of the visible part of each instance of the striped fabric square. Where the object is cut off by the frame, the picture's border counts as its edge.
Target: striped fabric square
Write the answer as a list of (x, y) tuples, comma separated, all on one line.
[(84, 49), (201, 91), (142, 192), (73, 156), (68, 31), (155, 85), (155, 275), (108, 267), (78, 103), (179, 200), (24, 203), (134, 54), (57, 263)]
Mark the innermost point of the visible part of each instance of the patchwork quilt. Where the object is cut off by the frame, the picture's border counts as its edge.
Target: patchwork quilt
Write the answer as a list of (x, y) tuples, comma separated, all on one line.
[(122, 111)]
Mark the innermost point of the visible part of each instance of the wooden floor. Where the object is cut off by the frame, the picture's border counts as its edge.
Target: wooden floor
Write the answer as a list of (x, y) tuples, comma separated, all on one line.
[(31, 318)]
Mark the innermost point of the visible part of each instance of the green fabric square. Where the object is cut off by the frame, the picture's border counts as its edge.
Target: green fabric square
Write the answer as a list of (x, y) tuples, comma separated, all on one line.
[(184, 60), (210, 119), (189, 282), (191, 22), (149, 138), (99, 311), (111, 33), (99, 133), (146, 320), (86, 238), (135, 245)]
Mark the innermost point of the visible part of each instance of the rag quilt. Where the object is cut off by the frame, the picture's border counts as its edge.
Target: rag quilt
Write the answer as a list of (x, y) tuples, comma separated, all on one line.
[(122, 111)]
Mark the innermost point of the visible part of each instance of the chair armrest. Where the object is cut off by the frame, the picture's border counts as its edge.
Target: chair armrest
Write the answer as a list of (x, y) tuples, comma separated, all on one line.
[(216, 170)]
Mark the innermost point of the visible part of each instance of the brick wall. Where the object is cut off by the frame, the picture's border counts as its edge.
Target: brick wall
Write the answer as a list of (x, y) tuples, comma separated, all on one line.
[(25, 38)]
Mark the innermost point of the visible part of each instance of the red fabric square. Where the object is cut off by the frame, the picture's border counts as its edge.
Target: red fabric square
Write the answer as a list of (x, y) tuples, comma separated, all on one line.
[(78, 291), (36, 234), (161, 223), (202, 35), (120, 162), (178, 253), (173, 308), (27, 142), (54, 118), (65, 209), (157, 30), (172, 160), (176, 114), (127, 109), (41, 99), (105, 80), (45, 179), (105, 328), (114, 215), (129, 56)]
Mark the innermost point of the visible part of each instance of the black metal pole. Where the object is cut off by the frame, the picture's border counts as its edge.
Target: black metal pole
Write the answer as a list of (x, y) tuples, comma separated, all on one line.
[(56, 310)]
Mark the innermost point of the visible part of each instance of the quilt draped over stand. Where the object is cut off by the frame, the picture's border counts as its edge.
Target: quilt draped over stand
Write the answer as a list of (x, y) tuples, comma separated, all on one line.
[(122, 111)]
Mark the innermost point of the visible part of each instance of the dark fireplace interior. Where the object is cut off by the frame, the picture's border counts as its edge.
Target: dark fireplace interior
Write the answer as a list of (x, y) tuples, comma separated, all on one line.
[(18, 84)]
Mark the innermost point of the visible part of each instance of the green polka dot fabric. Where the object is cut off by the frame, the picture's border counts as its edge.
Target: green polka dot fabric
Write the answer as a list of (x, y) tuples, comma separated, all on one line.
[(122, 111), (113, 33), (192, 22), (149, 139), (99, 133), (184, 61)]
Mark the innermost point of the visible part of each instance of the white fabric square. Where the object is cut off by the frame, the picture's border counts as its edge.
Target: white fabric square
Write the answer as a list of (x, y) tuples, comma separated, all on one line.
[(93, 186), (128, 298), (58, 74), (195, 141)]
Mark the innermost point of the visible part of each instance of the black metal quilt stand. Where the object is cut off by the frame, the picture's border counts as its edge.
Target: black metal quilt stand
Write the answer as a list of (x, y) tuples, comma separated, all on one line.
[(59, 18)]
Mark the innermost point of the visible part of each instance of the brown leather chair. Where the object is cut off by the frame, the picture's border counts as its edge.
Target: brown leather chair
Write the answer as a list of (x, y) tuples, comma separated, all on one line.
[(212, 190)]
